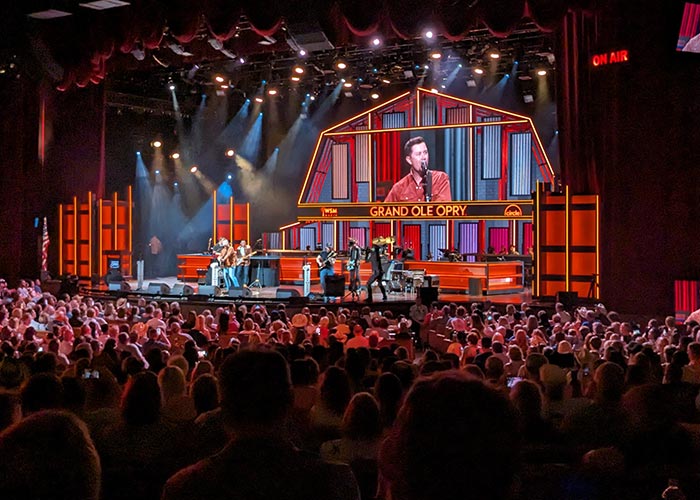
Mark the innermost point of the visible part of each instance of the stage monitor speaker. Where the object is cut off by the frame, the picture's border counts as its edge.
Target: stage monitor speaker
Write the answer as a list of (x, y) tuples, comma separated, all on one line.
[(181, 289), (428, 294), (52, 286), (155, 288), (239, 292), (568, 299), (335, 285), (298, 301), (287, 293), (119, 286), (209, 290)]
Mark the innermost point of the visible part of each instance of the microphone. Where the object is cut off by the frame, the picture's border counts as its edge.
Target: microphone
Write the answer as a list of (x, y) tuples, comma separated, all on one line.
[(424, 166)]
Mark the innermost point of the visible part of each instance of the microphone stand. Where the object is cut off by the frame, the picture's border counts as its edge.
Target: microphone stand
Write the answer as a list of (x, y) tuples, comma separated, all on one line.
[(427, 182)]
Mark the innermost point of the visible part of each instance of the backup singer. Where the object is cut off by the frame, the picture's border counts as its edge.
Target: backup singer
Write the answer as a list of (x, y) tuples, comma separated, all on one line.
[(325, 261), (353, 265), (375, 257), (421, 183)]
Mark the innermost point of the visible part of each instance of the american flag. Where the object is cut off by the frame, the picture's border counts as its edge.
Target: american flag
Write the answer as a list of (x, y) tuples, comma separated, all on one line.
[(44, 246)]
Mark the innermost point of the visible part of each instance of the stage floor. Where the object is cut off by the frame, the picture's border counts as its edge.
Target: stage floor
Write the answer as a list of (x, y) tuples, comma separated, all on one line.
[(270, 293)]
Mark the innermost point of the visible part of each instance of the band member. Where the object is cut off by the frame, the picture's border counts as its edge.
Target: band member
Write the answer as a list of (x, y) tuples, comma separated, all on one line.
[(375, 258), (243, 253), (325, 261), (353, 265), (228, 263)]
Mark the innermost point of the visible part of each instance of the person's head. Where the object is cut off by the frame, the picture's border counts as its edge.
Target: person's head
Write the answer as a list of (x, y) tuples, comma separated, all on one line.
[(255, 389), (533, 363), (694, 352), (450, 423), (205, 393), (610, 382), (335, 389), (527, 400), (172, 382), (141, 400), (416, 153), (56, 456), (361, 419), (43, 391)]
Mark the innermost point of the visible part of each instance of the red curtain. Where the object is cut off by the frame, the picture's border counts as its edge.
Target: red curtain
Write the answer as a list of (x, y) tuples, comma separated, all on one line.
[(411, 239)]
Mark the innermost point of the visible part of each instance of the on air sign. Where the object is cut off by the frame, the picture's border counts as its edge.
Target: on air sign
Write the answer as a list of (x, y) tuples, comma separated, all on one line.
[(612, 57)]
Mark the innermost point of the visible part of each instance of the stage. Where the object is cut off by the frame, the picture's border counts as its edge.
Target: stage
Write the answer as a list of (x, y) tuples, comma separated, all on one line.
[(290, 294)]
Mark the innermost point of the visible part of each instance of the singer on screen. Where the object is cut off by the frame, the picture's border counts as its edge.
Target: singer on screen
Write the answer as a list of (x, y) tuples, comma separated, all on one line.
[(421, 183)]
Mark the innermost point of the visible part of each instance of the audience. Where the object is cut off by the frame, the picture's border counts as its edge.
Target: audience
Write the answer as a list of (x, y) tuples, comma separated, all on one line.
[(528, 403)]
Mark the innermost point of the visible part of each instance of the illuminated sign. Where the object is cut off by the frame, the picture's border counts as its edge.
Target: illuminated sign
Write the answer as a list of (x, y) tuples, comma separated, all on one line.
[(612, 57), (513, 211), (432, 211)]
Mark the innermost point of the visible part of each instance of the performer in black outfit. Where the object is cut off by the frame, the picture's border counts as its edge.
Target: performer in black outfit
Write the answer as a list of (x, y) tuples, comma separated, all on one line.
[(375, 257), (353, 266)]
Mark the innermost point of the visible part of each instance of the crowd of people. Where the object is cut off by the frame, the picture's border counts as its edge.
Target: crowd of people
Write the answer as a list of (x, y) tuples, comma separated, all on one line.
[(120, 399)]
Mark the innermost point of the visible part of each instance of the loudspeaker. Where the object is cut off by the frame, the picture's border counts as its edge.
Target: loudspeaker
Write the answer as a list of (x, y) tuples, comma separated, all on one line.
[(119, 286), (568, 299), (239, 292), (181, 289), (158, 288), (335, 285), (287, 293), (428, 294), (209, 290), (298, 301)]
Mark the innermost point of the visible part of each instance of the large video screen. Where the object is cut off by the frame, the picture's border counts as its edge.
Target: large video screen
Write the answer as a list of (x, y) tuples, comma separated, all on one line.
[(689, 30)]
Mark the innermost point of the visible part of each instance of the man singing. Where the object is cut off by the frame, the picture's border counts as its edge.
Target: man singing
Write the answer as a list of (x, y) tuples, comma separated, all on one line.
[(421, 183), (375, 257)]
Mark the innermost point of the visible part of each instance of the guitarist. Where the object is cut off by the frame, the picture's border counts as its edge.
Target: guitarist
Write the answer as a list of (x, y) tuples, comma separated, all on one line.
[(325, 261), (227, 260), (375, 257), (353, 265), (243, 253)]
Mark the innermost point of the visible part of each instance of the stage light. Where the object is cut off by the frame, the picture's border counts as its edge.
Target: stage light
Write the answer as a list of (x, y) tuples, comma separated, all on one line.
[(175, 184), (241, 60), (434, 90), (528, 98), (435, 55), (341, 65), (230, 153), (541, 72), (175, 156), (302, 52), (229, 177), (194, 169), (471, 82), (295, 78), (386, 81), (157, 172), (478, 71), (272, 92), (347, 85), (376, 42), (429, 34), (258, 99), (374, 96), (494, 54), (298, 70), (312, 98), (138, 153), (219, 79), (156, 144), (171, 85), (224, 87)]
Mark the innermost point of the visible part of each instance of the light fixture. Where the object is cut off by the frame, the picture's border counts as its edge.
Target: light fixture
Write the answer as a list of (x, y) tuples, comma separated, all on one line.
[(528, 98), (229, 177), (429, 34), (347, 85), (157, 172), (272, 92), (341, 65), (230, 153), (541, 72), (156, 144), (241, 60), (219, 78), (386, 81), (175, 184), (298, 70), (312, 98), (494, 54), (434, 90), (471, 82), (478, 71), (171, 86), (435, 55), (258, 99), (175, 156), (224, 87), (374, 96), (376, 42), (295, 78), (194, 169), (302, 52)]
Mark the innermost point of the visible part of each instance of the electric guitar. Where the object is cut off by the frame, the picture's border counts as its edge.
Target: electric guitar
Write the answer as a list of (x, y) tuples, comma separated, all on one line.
[(331, 256), (245, 260)]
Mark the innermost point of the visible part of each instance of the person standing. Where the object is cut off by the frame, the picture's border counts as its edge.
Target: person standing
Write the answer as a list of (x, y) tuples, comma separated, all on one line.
[(353, 266), (228, 264), (243, 253), (375, 258), (155, 247), (325, 261)]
